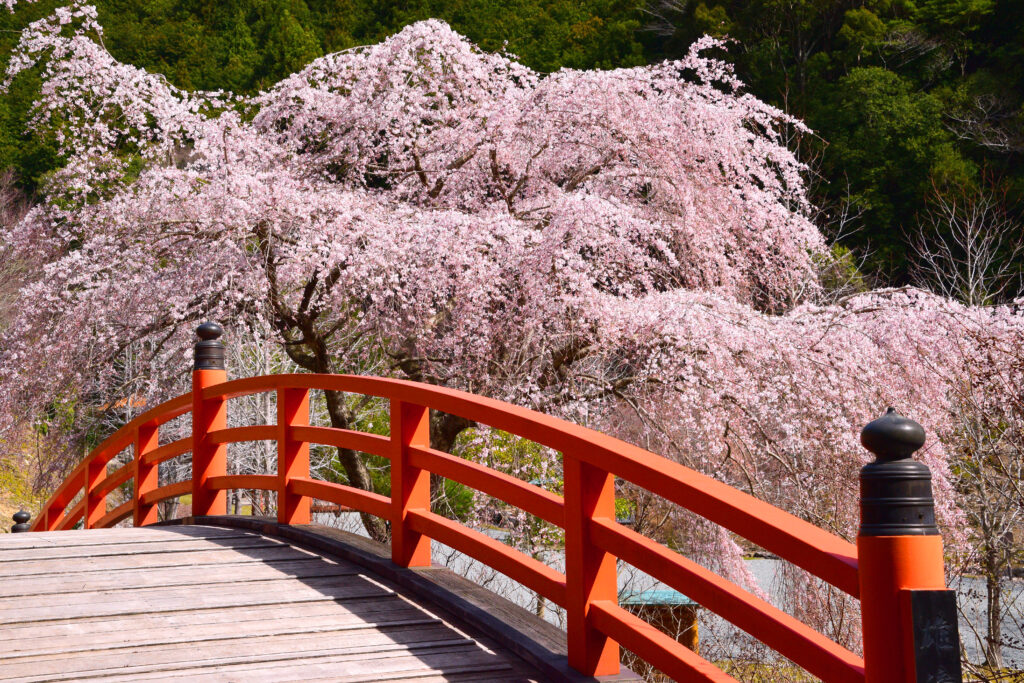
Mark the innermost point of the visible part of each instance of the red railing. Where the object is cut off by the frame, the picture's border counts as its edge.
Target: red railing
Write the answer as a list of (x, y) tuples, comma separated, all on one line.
[(597, 626)]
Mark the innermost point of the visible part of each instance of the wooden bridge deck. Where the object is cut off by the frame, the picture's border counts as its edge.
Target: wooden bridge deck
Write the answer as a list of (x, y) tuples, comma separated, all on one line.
[(202, 602)]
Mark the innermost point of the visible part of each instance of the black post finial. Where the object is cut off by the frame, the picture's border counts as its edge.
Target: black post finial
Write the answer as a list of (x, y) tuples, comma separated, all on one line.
[(892, 437), (209, 352), (21, 524), (895, 491)]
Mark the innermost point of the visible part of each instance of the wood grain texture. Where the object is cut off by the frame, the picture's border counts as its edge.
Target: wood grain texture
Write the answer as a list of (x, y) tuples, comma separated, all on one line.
[(209, 603)]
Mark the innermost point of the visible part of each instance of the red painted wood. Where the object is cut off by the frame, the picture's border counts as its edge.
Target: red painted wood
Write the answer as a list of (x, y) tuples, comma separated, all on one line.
[(147, 474), (260, 482), (123, 474), (168, 451), (236, 434), (373, 444), (593, 540), (781, 632), (533, 574), (292, 454), (71, 517), (589, 568), (532, 499), (122, 511), (357, 499), (95, 501), (111, 446), (180, 488), (410, 485), (889, 566), (50, 520), (653, 646), (209, 459), (823, 554)]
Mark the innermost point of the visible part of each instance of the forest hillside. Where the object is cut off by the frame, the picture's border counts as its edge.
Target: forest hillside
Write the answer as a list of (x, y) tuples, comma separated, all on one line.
[(914, 106)]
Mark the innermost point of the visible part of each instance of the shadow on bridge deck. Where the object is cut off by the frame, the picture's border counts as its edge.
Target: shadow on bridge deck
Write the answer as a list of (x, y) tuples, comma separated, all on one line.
[(242, 598)]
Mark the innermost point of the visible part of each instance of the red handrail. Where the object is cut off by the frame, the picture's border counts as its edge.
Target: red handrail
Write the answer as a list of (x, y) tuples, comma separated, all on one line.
[(593, 539)]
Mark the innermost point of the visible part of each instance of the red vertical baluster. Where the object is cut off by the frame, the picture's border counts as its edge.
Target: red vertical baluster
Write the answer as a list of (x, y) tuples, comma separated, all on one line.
[(208, 459), (292, 455), (410, 486), (95, 506), (52, 517), (590, 572), (147, 477)]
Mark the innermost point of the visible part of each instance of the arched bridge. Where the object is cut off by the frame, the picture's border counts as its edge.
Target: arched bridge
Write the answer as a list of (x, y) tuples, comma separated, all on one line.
[(231, 582)]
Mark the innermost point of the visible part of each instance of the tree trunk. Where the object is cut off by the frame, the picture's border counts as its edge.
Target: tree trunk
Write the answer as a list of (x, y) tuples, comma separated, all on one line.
[(444, 429), (994, 603), (355, 468)]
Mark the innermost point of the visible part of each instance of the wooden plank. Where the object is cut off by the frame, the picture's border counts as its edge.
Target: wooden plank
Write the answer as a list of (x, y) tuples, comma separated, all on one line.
[(21, 610), (131, 579), (518, 631), (152, 561), (124, 605), (67, 539), (472, 677), (220, 652), (281, 616), (472, 665), (131, 548), (387, 662), (50, 645), (190, 594)]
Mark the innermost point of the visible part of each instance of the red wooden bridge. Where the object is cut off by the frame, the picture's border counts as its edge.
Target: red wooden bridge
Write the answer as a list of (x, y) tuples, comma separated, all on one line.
[(291, 570)]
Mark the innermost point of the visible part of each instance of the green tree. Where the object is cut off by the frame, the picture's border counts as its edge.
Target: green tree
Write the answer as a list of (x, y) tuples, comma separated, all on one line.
[(287, 45), (887, 145)]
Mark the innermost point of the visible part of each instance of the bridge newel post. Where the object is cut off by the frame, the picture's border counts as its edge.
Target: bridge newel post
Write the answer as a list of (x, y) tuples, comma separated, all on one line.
[(95, 506), (52, 517), (292, 455), (21, 525), (208, 459), (147, 476), (909, 618), (590, 572), (410, 486)]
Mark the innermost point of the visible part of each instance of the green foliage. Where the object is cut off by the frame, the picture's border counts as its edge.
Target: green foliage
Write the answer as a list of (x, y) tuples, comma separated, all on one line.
[(841, 273), (904, 96), (889, 144), (287, 44)]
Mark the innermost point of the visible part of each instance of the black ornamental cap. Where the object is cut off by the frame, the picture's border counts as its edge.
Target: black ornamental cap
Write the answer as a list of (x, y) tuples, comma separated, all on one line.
[(892, 437), (209, 351), (895, 490), (21, 524)]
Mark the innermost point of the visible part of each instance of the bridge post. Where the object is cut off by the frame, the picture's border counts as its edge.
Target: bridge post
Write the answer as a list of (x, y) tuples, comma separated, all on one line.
[(292, 455), (410, 486), (208, 459), (590, 572), (21, 524), (909, 617), (52, 517), (147, 477), (95, 506)]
